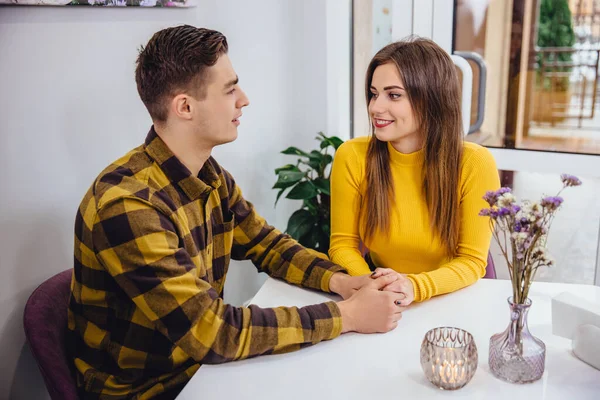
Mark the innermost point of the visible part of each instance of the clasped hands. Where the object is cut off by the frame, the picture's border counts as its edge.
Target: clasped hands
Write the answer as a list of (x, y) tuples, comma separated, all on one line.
[(372, 303)]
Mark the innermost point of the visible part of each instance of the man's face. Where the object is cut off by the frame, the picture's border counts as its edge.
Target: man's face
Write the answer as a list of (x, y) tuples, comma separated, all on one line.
[(217, 115)]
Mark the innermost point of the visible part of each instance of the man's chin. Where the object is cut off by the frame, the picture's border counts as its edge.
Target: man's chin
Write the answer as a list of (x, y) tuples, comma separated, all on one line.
[(229, 138), (233, 136)]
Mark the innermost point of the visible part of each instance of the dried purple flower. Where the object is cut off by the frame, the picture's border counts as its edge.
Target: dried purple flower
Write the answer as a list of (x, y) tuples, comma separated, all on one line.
[(503, 211), (570, 180), (526, 225), (552, 202), (492, 197)]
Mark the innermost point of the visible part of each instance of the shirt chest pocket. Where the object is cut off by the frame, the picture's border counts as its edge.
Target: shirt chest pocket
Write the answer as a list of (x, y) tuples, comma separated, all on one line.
[(220, 251), (223, 237)]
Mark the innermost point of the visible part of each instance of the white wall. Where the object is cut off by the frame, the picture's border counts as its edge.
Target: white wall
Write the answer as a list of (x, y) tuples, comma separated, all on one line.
[(69, 106)]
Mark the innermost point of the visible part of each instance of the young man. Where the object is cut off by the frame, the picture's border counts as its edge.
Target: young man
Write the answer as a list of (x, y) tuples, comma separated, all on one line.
[(155, 232)]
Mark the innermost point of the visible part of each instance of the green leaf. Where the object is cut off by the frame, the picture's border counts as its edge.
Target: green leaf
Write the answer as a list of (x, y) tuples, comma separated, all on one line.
[(332, 141), (302, 191), (294, 151), (288, 178), (327, 159), (312, 163), (316, 156), (288, 167), (336, 141), (279, 195), (322, 185), (316, 160), (326, 228), (300, 223), (311, 238), (312, 205)]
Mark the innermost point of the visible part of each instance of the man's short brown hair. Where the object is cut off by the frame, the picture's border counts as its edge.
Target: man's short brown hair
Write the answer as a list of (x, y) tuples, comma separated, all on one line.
[(174, 61)]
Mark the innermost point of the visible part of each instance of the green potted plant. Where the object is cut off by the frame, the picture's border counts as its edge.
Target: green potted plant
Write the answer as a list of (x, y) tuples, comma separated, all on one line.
[(308, 180), (555, 30)]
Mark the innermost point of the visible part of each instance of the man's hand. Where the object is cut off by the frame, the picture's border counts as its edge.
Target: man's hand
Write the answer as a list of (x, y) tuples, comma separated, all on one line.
[(371, 309), (401, 285), (346, 285)]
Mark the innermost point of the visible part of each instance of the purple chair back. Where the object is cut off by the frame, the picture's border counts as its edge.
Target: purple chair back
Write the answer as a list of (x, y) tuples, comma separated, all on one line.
[(45, 322), (490, 269)]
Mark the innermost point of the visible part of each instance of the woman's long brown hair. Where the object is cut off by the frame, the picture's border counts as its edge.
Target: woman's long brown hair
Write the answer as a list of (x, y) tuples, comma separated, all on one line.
[(431, 83)]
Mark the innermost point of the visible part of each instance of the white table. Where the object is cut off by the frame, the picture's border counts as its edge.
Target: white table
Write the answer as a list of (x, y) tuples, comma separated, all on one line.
[(386, 366)]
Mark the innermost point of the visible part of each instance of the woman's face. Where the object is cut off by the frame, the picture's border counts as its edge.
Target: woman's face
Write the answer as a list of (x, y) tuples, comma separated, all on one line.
[(391, 112)]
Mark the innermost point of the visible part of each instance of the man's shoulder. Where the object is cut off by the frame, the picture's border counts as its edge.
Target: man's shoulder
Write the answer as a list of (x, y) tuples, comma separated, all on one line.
[(127, 176)]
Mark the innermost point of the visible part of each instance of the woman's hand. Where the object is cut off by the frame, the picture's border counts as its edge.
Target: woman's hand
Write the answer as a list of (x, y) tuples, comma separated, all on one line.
[(346, 285), (401, 285)]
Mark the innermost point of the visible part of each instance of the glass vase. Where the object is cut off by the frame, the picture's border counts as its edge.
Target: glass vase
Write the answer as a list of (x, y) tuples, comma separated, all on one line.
[(516, 355)]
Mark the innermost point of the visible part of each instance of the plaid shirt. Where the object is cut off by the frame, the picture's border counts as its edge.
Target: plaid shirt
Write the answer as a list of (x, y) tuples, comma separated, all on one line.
[(152, 249)]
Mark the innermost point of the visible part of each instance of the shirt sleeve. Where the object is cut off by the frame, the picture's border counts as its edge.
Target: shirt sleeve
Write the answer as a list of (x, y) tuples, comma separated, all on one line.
[(479, 175), (272, 251), (139, 246)]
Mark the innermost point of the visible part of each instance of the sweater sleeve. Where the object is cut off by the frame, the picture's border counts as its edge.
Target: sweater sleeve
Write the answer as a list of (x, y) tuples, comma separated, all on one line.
[(479, 174), (346, 196)]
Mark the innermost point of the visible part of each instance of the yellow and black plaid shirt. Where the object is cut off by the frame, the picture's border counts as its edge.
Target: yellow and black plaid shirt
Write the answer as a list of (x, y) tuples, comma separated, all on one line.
[(152, 249)]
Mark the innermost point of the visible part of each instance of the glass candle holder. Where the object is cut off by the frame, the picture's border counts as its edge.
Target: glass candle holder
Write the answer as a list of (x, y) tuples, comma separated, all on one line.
[(449, 357)]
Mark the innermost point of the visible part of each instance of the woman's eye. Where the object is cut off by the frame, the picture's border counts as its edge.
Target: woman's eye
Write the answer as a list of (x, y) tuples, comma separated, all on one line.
[(395, 96), (374, 95)]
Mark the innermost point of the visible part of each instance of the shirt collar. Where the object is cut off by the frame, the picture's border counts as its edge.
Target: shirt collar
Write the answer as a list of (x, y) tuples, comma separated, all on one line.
[(193, 186)]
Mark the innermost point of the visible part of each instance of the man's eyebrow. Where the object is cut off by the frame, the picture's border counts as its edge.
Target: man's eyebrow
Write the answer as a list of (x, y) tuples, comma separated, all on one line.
[(232, 82)]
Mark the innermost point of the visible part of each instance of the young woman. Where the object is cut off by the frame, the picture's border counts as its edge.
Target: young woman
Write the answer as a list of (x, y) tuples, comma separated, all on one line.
[(411, 192)]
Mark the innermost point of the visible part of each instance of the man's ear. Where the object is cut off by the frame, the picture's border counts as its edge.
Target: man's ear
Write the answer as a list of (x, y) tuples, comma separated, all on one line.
[(181, 106)]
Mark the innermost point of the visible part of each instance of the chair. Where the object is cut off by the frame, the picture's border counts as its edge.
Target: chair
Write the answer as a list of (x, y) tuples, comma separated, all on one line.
[(45, 322), (490, 269)]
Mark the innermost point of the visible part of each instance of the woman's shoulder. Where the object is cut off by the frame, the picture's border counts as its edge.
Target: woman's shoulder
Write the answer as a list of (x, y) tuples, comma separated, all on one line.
[(354, 148), (475, 155), (359, 142), (478, 166)]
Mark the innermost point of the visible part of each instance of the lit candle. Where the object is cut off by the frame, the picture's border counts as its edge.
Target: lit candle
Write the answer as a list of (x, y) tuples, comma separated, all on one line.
[(450, 355)]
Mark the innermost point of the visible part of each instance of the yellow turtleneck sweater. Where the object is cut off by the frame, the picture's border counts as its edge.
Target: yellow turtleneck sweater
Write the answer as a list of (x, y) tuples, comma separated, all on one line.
[(412, 248)]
